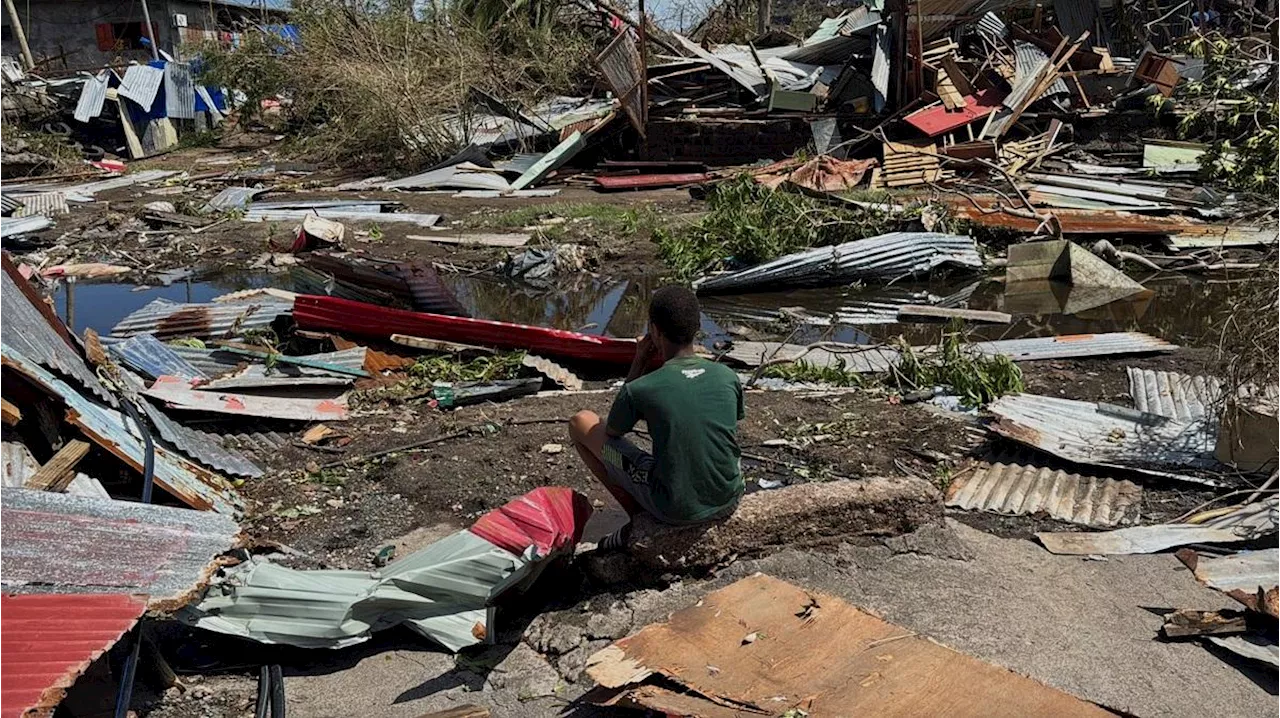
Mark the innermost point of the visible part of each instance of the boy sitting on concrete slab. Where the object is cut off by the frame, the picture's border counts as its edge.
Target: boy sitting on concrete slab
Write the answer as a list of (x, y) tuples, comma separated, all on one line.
[(691, 406)]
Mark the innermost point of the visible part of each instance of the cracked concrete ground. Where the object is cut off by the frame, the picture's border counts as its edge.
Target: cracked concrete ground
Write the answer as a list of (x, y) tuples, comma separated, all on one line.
[(1080, 625)]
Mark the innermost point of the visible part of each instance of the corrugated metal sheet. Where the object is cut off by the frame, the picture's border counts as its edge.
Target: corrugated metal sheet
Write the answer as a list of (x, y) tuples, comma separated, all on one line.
[(55, 543), (179, 91), (1176, 396), (253, 214), (358, 319), (453, 177), (894, 255), (1075, 17), (28, 331), (200, 446), (1254, 646), (551, 161), (93, 95), (144, 353), (20, 465), (47, 204), (752, 82), (255, 440), (232, 198), (179, 395), (89, 189), (14, 226), (624, 70), (50, 641), (9, 204), (428, 291), (1017, 489), (1245, 571), (1244, 524), (993, 27), (445, 591), (879, 359), (373, 206), (1030, 61), (171, 320), (1104, 435), (215, 363), (196, 486), (141, 83)]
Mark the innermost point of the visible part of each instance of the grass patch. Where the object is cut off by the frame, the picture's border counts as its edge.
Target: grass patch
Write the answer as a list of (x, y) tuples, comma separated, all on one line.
[(748, 224)]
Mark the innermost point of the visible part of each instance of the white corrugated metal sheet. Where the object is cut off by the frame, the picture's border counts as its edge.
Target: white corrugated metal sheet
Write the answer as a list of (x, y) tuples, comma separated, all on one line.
[(141, 83), (1174, 395), (92, 97), (888, 256), (1105, 435), (179, 91)]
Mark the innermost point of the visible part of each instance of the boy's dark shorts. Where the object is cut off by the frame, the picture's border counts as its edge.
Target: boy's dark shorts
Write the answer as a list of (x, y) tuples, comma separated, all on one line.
[(631, 468)]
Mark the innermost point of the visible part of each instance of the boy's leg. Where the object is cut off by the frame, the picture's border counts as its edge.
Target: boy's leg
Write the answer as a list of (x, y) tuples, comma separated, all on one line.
[(588, 434)]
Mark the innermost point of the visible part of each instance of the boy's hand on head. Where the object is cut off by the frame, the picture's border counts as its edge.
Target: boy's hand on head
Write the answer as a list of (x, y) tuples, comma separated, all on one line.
[(644, 346)]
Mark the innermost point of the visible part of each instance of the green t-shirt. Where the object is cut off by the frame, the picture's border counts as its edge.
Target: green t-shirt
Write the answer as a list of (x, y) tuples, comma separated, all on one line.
[(692, 407)]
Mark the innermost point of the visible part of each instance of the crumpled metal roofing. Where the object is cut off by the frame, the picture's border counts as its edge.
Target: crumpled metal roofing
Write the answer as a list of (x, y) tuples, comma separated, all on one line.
[(1244, 524), (873, 359), (1104, 435), (50, 641), (454, 177), (144, 353), (1255, 646), (48, 204), (232, 198), (20, 465), (1174, 395), (201, 446), (444, 591), (14, 226), (1245, 571), (194, 485), (1017, 489), (215, 364), (892, 256), (27, 330), (255, 214), (57, 543), (216, 320), (88, 189)]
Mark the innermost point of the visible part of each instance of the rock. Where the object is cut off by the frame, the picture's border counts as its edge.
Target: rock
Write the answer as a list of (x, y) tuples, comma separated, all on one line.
[(613, 623), (799, 515), (932, 540), (574, 662), (553, 635), (525, 673), (610, 567)]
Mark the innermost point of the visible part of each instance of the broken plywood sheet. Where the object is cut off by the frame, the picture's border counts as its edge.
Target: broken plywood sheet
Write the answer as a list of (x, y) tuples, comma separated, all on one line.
[(1017, 489), (763, 646), (178, 393), (908, 163)]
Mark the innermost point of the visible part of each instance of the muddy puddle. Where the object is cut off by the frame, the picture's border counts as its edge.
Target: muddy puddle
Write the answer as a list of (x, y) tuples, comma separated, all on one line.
[(1183, 310)]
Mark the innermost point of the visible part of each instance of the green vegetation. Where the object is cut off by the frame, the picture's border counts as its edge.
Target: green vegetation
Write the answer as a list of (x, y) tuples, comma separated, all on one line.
[(976, 378), (749, 223), (1236, 117), (803, 371), (369, 83), (442, 368)]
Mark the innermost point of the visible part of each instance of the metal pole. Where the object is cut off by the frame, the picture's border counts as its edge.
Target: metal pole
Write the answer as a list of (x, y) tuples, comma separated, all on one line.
[(71, 303), (151, 30), (20, 34)]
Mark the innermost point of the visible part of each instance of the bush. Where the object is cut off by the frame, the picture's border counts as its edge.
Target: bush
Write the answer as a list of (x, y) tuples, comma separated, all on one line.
[(372, 84)]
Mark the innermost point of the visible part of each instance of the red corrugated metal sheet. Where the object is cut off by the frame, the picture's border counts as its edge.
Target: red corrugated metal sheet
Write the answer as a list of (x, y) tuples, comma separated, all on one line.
[(368, 320), (650, 181), (937, 120), (549, 518), (49, 640)]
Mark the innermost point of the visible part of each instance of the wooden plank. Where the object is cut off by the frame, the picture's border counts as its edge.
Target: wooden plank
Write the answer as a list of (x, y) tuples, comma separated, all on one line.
[(484, 240), (929, 313), (12, 414), (58, 472), (1189, 622), (438, 345)]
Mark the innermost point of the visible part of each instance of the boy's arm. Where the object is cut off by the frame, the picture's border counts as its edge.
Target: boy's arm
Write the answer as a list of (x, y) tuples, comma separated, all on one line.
[(622, 415), (742, 405), (640, 362)]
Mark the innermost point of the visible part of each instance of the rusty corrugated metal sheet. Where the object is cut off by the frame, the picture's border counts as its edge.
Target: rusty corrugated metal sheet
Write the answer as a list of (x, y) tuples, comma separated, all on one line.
[(650, 181), (1104, 435), (50, 641), (57, 543), (28, 330), (429, 293), (216, 320), (196, 486), (1018, 489)]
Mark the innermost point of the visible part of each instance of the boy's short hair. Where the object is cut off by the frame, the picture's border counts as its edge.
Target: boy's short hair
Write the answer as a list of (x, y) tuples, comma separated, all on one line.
[(674, 311)]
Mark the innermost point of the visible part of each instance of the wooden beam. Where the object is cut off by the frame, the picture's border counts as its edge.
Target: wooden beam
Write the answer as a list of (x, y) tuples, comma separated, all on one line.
[(11, 414), (58, 472)]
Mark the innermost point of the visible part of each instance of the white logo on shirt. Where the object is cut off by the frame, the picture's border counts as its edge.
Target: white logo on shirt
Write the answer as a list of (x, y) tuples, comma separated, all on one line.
[(693, 373)]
